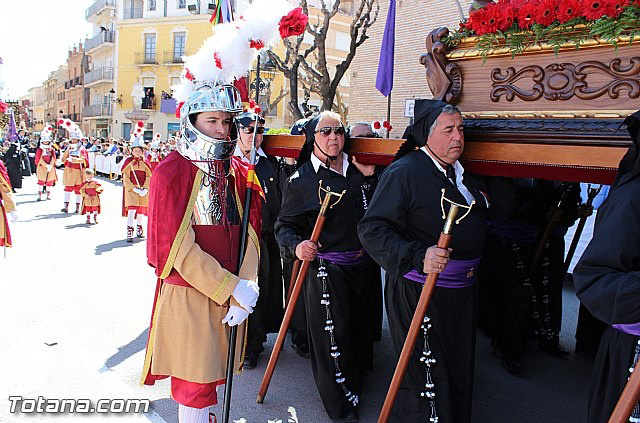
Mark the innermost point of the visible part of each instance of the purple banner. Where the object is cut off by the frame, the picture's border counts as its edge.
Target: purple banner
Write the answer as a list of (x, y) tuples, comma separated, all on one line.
[(12, 135), (456, 274), (168, 105), (384, 79)]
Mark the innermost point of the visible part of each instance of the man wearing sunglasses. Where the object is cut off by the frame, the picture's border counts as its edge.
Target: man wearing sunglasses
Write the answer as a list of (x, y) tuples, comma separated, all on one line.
[(269, 311), (338, 289)]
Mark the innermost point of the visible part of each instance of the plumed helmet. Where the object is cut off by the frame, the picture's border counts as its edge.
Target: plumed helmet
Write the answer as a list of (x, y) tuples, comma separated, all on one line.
[(208, 98)]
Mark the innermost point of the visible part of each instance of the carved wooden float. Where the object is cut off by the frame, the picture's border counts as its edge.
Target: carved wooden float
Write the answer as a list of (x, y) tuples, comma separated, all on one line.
[(535, 115)]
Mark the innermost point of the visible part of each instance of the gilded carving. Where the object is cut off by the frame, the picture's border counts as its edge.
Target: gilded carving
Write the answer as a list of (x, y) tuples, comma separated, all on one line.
[(563, 81), (444, 78)]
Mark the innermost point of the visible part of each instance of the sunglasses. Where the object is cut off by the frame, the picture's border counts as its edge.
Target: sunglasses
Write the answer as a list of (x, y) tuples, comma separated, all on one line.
[(326, 130), (249, 129)]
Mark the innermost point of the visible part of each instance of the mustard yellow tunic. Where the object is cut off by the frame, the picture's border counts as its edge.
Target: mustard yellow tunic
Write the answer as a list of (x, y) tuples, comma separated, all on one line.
[(129, 182), (73, 177), (9, 206)]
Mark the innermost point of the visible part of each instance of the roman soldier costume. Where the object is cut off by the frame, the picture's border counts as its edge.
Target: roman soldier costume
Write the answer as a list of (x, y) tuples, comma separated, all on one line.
[(195, 208), (75, 160), (45, 162), (136, 180), (6, 206)]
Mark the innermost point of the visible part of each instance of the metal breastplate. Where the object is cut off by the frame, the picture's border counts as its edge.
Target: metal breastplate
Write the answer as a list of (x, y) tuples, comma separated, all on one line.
[(211, 208)]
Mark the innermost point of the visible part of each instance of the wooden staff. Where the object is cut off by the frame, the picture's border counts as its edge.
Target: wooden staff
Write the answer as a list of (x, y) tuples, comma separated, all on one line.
[(244, 236), (592, 192), (294, 275), (295, 293), (421, 310), (628, 399), (551, 223)]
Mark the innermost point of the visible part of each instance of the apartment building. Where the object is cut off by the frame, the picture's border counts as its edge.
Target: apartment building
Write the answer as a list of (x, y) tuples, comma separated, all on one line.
[(99, 75)]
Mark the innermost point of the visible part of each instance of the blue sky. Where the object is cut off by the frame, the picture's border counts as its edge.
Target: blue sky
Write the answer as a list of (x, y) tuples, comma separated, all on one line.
[(36, 37)]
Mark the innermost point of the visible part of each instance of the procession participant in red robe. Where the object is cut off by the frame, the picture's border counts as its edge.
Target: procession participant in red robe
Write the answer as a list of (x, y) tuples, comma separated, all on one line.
[(6, 206), (75, 160), (155, 156), (90, 192), (136, 179), (45, 162)]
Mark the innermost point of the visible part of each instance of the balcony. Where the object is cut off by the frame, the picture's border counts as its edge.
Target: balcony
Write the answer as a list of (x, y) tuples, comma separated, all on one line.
[(98, 6), (103, 38), (173, 57), (97, 110), (135, 13), (145, 59), (99, 75)]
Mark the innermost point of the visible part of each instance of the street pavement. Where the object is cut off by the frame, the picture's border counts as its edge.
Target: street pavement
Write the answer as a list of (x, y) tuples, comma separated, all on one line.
[(75, 308)]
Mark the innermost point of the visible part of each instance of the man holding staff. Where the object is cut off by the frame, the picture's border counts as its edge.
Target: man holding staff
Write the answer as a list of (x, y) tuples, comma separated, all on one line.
[(400, 231), (337, 289)]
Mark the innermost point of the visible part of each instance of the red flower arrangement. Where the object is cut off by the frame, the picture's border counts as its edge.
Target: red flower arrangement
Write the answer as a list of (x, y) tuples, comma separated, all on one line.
[(568, 9), (376, 125), (216, 57), (293, 24), (518, 24), (3, 107)]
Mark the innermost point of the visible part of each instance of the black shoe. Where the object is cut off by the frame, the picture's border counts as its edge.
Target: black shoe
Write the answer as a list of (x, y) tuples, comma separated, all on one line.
[(250, 360), (302, 350), (512, 362), (553, 349), (350, 416)]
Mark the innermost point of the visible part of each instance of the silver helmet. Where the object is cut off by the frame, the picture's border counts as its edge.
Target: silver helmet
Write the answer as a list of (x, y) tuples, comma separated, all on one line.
[(208, 97)]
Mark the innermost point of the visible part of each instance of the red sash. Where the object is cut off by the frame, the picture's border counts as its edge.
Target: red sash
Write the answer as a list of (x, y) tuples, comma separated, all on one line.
[(74, 165)]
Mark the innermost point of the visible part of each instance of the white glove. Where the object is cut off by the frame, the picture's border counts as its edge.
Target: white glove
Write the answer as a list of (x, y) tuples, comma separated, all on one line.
[(14, 216), (235, 316), (138, 191), (246, 293), (142, 192), (49, 167)]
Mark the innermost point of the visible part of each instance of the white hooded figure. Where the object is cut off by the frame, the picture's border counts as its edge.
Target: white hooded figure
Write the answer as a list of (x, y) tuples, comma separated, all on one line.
[(137, 94)]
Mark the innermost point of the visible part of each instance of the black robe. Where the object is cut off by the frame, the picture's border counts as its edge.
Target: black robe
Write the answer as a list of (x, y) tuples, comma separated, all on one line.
[(349, 287), (510, 292), (13, 161), (403, 220), (269, 310), (607, 281)]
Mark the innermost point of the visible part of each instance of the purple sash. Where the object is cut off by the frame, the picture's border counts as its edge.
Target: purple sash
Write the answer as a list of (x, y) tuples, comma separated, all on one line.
[(628, 328), (344, 258), (456, 274)]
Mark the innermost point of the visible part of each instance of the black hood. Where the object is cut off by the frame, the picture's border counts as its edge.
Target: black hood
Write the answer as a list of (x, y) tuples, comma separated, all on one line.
[(310, 137), (629, 166), (425, 113)]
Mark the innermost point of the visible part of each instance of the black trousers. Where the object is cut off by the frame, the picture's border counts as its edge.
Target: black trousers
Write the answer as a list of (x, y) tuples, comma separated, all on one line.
[(269, 310), (452, 339), (350, 292), (610, 373)]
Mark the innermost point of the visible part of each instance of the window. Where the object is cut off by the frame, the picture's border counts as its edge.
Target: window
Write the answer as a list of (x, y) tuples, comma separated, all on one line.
[(149, 48), (182, 4), (179, 39), (152, 5)]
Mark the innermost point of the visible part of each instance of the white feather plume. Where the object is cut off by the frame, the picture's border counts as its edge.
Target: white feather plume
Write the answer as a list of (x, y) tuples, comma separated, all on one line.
[(230, 44)]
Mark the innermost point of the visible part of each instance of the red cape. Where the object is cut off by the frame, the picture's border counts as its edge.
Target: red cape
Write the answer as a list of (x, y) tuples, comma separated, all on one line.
[(172, 187), (53, 156), (4, 174), (4, 178), (126, 163)]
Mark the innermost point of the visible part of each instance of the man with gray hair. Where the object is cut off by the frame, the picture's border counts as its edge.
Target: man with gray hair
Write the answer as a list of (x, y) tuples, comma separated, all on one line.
[(400, 231)]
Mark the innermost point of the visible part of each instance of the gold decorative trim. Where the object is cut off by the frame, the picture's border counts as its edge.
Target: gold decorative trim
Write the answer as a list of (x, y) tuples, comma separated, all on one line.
[(221, 287), (146, 368), (560, 114), (184, 225), (466, 49)]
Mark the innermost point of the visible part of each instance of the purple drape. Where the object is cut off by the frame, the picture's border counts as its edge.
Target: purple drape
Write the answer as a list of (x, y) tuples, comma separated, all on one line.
[(12, 135), (384, 80), (168, 105)]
